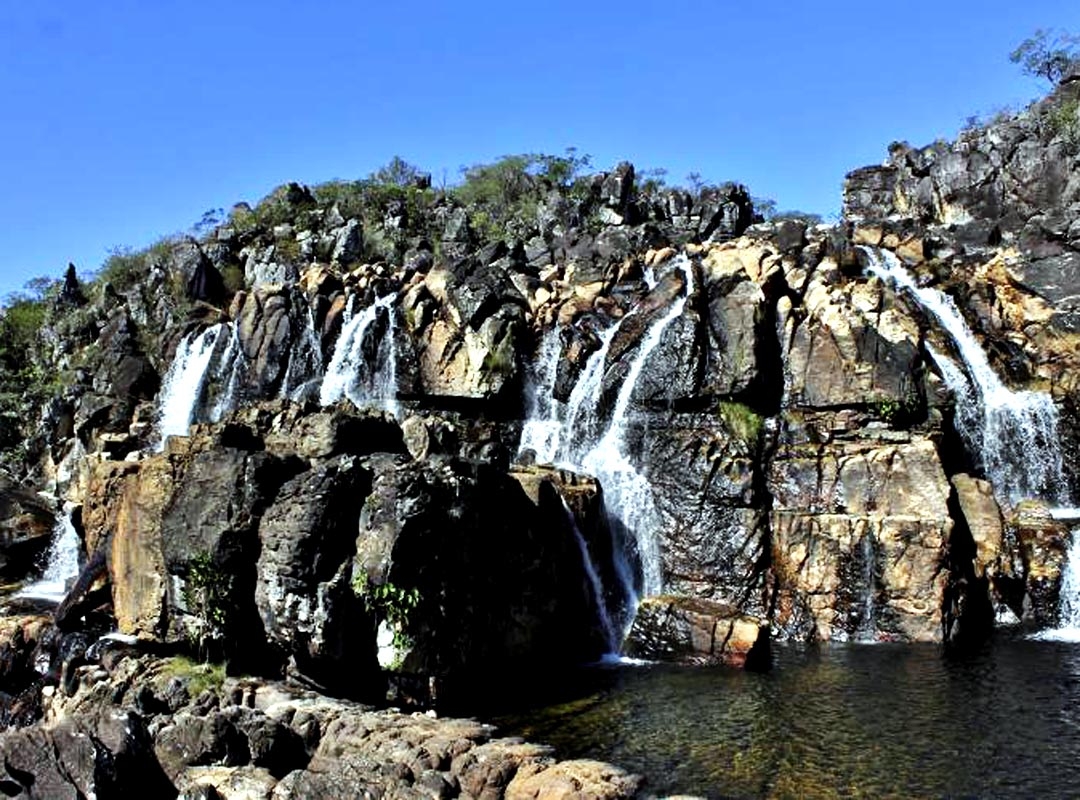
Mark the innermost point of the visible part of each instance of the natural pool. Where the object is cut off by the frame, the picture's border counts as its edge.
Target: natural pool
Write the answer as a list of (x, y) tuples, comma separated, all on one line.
[(840, 721)]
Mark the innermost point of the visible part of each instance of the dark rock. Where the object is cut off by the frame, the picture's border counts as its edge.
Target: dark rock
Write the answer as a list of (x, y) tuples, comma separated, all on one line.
[(198, 741), (303, 590)]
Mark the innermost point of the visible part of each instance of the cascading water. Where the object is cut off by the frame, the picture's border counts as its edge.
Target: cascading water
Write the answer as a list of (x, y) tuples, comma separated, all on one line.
[(366, 378), (304, 372), (228, 373), (628, 494), (62, 563), (611, 638), (866, 631), (543, 424), (1012, 434), (567, 434), (185, 381)]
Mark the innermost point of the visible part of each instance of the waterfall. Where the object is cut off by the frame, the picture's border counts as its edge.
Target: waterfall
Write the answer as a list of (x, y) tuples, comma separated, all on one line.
[(543, 425), (304, 371), (628, 494), (62, 563), (1012, 434), (567, 435), (228, 373), (366, 378), (185, 382), (611, 638), (867, 629)]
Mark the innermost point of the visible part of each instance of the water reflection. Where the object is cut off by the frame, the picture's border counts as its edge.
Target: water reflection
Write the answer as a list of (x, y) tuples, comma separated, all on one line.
[(851, 721)]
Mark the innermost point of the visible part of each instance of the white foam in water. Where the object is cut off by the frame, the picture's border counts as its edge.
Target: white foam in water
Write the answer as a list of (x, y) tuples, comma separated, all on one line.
[(185, 381), (62, 565), (350, 375)]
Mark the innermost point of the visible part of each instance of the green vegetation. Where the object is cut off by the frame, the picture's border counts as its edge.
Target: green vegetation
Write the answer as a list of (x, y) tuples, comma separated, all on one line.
[(391, 603), (506, 193), (24, 378), (741, 421), (1063, 121), (206, 595), (1047, 54), (198, 677), (894, 412)]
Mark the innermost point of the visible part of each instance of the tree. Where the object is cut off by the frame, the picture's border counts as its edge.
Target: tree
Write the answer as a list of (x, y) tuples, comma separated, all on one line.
[(1047, 54)]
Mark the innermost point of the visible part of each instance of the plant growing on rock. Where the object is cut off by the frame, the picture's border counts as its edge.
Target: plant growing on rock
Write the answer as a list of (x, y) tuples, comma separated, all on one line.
[(206, 592), (392, 604), (742, 421), (1047, 54)]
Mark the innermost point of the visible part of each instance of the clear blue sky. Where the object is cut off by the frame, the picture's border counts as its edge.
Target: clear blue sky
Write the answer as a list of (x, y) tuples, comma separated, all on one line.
[(123, 121)]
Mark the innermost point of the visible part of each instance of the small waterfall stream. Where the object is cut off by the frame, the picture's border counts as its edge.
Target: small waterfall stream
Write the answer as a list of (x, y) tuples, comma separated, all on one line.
[(304, 371), (569, 435), (185, 381), (62, 563), (611, 638), (1013, 435), (364, 373)]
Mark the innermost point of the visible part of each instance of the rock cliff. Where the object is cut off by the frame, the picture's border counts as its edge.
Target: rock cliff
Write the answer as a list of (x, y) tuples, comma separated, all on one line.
[(371, 429)]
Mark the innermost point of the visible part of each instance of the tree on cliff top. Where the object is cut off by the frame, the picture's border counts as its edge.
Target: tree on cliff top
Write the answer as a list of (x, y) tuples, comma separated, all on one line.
[(1047, 54)]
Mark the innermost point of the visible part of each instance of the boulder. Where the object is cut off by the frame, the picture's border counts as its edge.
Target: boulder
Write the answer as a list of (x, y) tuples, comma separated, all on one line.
[(983, 518), (1044, 548), (458, 560), (692, 630), (303, 592), (26, 527)]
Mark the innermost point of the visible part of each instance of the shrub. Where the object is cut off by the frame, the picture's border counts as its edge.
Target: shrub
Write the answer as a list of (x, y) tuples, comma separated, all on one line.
[(1047, 54), (742, 422), (1063, 121), (509, 190)]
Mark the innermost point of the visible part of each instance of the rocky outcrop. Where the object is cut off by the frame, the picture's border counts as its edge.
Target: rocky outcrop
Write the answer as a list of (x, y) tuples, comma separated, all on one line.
[(138, 725), (26, 524), (694, 631)]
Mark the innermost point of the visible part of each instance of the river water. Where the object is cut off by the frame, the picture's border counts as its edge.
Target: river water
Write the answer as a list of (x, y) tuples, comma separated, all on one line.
[(838, 721)]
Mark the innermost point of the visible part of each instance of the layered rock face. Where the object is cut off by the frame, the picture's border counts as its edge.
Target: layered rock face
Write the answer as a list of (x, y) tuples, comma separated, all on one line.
[(429, 446)]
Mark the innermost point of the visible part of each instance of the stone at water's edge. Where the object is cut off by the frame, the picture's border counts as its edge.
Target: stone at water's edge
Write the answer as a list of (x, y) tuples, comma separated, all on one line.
[(695, 631), (1044, 547)]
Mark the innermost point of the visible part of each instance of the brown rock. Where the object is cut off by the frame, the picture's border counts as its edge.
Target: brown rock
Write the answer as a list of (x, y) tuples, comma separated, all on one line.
[(696, 631), (573, 780), (983, 517)]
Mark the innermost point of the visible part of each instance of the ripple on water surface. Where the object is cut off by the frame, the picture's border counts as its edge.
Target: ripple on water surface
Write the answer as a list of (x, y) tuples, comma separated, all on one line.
[(849, 721)]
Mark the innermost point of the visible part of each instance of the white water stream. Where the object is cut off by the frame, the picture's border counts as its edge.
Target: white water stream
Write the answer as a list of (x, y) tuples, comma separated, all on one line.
[(185, 381), (367, 382), (573, 435), (62, 563), (1013, 434)]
